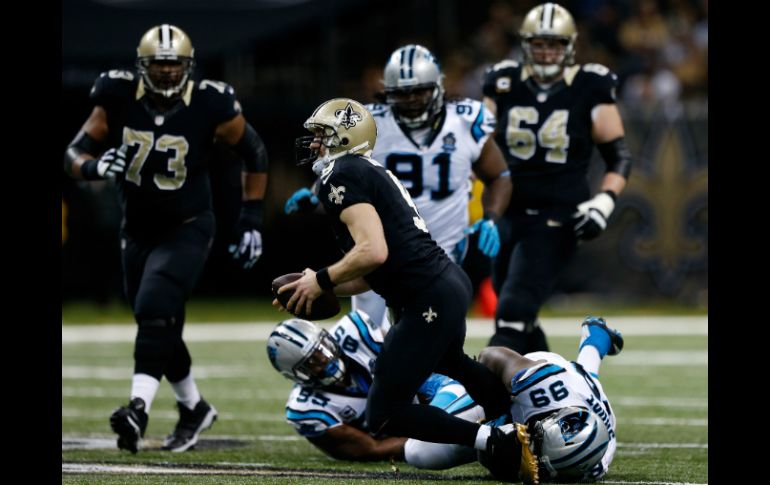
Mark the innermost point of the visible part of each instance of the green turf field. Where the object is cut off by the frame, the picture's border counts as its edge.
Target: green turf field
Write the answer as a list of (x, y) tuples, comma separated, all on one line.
[(658, 388)]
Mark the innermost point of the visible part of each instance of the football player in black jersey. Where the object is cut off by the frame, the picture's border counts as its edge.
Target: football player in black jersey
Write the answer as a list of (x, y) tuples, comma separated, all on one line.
[(150, 131), (550, 114), (388, 249)]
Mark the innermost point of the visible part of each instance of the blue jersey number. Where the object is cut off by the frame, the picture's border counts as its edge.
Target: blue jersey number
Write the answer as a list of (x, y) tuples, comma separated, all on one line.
[(540, 399)]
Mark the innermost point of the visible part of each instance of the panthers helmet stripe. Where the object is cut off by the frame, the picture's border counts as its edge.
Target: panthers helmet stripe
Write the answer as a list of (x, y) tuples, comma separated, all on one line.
[(580, 449), (411, 60)]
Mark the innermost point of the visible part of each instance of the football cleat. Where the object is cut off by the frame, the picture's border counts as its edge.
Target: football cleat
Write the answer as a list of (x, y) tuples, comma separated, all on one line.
[(616, 338), (189, 426), (129, 422)]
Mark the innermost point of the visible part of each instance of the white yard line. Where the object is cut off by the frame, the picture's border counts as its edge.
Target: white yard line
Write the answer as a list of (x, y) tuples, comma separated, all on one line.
[(477, 327)]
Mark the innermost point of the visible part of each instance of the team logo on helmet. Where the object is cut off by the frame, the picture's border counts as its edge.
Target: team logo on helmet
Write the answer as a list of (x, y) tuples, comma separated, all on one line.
[(347, 117)]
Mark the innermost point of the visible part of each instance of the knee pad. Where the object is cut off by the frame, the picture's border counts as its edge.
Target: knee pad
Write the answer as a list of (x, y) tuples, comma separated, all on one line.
[(517, 308), (153, 346), (179, 364)]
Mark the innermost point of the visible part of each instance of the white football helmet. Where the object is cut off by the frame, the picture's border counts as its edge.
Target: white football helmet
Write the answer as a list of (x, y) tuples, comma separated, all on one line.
[(569, 442), (414, 85), (549, 21), (169, 45), (305, 353)]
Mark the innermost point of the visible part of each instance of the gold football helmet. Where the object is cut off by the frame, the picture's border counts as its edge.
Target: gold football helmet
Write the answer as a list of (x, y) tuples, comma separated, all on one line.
[(548, 21), (165, 59), (345, 126)]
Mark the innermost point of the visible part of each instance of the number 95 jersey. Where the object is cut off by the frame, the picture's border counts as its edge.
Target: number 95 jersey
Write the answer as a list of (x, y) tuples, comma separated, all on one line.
[(545, 133), (436, 173), (313, 411)]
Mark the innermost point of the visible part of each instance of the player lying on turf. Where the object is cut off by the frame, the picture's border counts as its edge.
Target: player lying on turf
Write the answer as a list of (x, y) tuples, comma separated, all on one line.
[(563, 405)]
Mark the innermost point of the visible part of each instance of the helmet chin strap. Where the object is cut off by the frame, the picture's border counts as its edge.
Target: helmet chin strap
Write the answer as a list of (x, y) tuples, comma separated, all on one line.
[(548, 71), (322, 162)]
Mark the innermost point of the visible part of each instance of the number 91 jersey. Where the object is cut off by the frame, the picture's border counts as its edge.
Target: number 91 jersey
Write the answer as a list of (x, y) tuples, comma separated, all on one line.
[(436, 173), (313, 411)]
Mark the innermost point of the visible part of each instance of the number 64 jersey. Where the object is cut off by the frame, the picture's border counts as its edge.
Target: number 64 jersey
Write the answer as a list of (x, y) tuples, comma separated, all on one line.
[(436, 172), (558, 383)]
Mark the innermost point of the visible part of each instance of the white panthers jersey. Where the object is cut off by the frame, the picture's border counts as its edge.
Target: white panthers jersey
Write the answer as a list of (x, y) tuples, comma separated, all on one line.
[(313, 411), (558, 383), (437, 172)]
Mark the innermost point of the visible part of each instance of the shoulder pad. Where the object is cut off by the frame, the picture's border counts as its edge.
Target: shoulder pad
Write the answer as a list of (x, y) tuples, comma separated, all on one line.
[(598, 69), (113, 83), (507, 63), (215, 87), (377, 109)]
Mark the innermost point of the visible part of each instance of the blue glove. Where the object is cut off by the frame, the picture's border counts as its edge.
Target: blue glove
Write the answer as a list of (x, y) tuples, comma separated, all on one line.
[(302, 200), (489, 238)]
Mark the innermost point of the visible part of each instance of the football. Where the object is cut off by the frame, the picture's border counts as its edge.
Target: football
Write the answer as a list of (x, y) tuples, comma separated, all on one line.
[(325, 306)]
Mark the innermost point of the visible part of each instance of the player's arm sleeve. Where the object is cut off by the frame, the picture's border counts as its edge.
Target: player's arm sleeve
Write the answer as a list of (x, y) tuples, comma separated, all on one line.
[(482, 127), (343, 189), (311, 423), (252, 150), (348, 443)]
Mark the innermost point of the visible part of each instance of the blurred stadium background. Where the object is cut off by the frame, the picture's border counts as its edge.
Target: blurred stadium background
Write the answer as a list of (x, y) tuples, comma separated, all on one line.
[(284, 57)]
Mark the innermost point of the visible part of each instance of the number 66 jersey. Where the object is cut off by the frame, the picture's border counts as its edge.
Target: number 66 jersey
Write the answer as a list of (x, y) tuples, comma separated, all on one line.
[(435, 164)]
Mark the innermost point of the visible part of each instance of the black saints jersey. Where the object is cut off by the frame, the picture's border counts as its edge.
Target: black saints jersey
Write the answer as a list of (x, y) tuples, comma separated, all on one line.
[(165, 180), (545, 133), (414, 258)]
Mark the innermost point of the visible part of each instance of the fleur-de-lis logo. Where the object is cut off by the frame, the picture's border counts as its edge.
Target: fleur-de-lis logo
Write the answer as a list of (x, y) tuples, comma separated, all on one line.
[(430, 315), (347, 117), (336, 195)]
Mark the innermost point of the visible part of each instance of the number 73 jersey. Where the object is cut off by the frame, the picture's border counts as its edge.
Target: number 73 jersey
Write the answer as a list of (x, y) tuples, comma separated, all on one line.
[(437, 172), (545, 133), (166, 180)]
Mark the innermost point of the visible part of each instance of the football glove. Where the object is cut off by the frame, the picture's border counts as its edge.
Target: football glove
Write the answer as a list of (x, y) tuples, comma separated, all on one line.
[(249, 248), (591, 216), (301, 201), (112, 162), (489, 237)]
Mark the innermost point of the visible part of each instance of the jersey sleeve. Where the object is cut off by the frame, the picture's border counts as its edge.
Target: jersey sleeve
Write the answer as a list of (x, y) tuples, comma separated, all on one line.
[(481, 125), (344, 187), (603, 84), (308, 411), (498, 78), (110, 86), (221, 102)]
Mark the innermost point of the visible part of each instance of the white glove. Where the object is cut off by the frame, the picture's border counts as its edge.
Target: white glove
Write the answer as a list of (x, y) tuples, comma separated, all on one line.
[(112, 162), (249, 250), (591, 216)]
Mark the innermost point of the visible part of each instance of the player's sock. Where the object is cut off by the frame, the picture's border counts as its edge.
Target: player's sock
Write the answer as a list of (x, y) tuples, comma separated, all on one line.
[(481, 437), (145, 387), (186, 391)]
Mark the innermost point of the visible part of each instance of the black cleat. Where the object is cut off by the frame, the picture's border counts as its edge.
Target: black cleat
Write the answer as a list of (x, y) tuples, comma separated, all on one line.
[(616, 339), (129, 422), (189, 426), (503, 454)]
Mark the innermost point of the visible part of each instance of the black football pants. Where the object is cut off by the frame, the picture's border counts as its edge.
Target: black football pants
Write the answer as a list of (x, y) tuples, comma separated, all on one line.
[(160, 272), (533, 252), (429, 337)]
